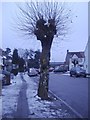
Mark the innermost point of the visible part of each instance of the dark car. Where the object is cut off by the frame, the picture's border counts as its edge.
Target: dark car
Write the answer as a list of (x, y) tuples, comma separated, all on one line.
[(77, 71), (59, 69)]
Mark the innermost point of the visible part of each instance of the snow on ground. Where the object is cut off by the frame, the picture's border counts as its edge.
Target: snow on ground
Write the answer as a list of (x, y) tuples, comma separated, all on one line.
[(42, 108), (0, 107), (37, 108), (10, 96)]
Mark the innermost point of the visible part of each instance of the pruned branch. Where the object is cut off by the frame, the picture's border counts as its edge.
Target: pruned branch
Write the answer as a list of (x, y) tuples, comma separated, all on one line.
[(34, 11)]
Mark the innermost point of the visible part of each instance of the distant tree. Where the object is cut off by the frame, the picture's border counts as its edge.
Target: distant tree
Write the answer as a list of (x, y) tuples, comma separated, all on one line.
[(44, 20), (37, 55), (31, 54), (8, 50), (15, 57), (15, 62), (26, 54), (21, 64)]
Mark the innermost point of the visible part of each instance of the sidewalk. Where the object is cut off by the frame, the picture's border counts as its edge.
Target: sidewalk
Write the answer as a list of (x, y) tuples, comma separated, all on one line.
[(36, 108)]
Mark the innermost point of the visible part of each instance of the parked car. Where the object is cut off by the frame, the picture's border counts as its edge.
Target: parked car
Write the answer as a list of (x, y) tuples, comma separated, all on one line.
[(32, 72), (60, 69), (77, 71), (51, 69)]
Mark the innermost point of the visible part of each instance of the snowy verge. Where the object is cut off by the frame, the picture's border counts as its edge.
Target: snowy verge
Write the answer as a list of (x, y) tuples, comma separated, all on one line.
[(0, 107), (41, 108), (10, 97)]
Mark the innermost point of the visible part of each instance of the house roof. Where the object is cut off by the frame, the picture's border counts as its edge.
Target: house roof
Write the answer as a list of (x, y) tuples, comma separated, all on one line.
[(78, 54), (71, 54)]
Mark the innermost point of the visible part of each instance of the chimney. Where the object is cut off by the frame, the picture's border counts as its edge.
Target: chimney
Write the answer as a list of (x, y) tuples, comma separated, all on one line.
[(67, 51)]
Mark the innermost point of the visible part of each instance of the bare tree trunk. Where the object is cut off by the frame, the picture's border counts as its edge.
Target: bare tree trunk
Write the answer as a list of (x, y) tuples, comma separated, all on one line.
[(44, 71)]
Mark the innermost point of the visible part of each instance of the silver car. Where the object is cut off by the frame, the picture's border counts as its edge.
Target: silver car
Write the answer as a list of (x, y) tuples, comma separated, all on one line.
[(32, 72)]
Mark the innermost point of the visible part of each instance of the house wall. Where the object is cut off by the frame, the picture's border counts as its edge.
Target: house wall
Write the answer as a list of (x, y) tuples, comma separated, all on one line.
[(87, 49), (86, 59), (89, 37), (89, 56), (70, 64), (80, 62)]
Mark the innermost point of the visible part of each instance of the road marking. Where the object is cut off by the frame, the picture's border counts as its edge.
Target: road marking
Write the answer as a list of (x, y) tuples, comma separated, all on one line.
[(74, 111)]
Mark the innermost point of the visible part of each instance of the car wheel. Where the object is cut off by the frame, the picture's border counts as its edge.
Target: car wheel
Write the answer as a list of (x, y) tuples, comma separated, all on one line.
[(85, 76), (70, 75)]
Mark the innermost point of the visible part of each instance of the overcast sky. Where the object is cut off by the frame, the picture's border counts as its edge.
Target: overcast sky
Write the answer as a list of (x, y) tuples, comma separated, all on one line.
[(76, 40)]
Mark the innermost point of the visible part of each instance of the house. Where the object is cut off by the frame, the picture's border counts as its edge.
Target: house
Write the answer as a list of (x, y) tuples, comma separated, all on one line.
[(87, 57), (74, 58)]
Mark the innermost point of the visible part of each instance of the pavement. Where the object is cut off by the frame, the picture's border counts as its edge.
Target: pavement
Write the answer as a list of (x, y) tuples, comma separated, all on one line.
[(20, 100)]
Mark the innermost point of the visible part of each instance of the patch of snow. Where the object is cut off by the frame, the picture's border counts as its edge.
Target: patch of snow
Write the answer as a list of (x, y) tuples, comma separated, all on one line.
[(0, 107), (37, 108), (10, 96), (41, 108)]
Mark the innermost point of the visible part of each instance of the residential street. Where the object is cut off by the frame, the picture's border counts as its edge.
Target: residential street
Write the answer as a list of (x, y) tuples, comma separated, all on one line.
[(20, 100), (72, 90), (44, 60)]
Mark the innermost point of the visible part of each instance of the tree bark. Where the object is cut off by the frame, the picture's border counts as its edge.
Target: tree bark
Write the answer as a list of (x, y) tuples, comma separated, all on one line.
[(44, 70)]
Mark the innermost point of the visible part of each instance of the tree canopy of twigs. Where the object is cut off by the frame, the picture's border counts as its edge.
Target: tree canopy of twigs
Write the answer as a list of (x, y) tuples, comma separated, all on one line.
[(31, 12)]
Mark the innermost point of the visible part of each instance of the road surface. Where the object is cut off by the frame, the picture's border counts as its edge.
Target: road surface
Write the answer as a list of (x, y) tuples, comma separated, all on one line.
[(72, 90)]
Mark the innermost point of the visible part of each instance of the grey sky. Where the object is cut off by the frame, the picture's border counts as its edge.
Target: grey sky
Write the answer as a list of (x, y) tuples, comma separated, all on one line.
[(76, 41)]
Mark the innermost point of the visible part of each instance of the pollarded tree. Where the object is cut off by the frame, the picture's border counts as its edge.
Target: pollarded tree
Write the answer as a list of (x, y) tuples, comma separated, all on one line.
[(44, 20)]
